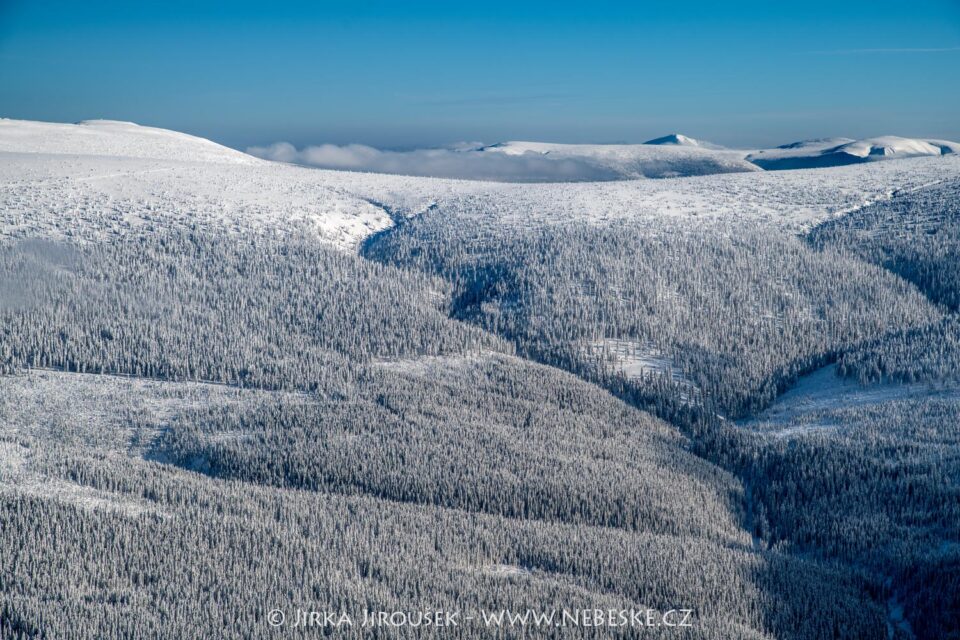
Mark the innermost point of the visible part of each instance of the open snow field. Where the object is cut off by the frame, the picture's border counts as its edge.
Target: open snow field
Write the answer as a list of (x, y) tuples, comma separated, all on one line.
[(105, 178), (88, 196), (794, 201)]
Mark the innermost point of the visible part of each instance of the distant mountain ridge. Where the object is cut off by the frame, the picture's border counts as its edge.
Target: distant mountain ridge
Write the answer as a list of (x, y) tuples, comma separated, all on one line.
[(669, 156), (832, 152)]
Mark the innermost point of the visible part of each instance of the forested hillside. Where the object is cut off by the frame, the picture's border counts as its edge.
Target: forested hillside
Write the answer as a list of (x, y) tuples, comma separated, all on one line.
[(740, 311), (512, 465), (544, 397), (725, 318), (914, 234)]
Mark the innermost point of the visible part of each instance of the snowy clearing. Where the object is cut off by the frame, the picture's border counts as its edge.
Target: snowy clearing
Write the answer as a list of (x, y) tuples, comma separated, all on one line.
[(119, 414), (634, 359), (824, 391)]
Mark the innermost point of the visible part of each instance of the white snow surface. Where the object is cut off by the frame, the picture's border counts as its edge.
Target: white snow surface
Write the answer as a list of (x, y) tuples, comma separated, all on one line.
[(53, 184), (789, 200), (113, 138), (889, 146), (86, 197), (818, 144), (635, 359), (677, 155), (105, 177), (840, 151)]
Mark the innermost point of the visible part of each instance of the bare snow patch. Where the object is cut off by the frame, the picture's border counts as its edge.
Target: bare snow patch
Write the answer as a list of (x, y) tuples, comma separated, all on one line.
[(805, 408), (18, 476), (505, 571), (634, 359)]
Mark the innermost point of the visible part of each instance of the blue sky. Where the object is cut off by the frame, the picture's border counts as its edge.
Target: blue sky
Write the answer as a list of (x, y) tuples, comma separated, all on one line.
[(408, 74)]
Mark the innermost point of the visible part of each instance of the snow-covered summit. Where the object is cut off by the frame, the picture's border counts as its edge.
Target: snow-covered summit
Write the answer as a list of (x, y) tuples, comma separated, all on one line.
[(115, 139), (676, 139), (888, 146), (831, 152)]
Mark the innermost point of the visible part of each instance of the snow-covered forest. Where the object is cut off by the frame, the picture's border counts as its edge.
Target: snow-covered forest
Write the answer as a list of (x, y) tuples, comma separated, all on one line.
[(230, 385)]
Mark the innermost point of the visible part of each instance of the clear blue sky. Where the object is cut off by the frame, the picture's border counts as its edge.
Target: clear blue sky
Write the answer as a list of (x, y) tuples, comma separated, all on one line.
[(402, 74)]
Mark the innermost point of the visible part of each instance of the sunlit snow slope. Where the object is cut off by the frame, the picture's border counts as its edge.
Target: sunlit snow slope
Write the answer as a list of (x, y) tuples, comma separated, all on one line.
[(104, 177), (671, 156), (112, 138), (831, 152)]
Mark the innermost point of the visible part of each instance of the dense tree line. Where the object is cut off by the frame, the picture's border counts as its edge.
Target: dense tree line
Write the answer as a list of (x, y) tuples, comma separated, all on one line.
[(926, 354), (876, 485)]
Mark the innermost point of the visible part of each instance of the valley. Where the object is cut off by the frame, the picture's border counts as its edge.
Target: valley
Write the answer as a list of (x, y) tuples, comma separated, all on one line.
[(231, 384)]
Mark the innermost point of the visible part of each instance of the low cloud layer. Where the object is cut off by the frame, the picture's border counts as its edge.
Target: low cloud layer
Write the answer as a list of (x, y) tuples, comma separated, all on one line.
[(440, 163)]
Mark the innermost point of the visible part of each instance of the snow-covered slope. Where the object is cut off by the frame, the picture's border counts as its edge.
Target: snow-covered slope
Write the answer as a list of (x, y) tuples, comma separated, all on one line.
[(814, 144), (112, 138), (888, 146), (105, 177), (787, 200), (830, 152), (53, 186), (945, 146), (684, 157)]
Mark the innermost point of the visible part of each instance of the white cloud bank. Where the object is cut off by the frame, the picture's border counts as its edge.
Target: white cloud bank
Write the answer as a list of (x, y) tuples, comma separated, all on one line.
[(440, 163)]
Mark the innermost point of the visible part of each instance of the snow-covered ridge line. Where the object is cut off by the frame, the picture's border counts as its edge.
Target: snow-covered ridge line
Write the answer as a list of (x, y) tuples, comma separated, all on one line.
[(671, 156), (803, 154), (113, 138), (90, 198), (668, 156), (830, 152), (87, 182)]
